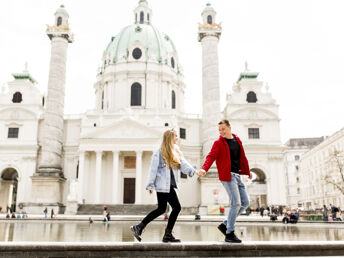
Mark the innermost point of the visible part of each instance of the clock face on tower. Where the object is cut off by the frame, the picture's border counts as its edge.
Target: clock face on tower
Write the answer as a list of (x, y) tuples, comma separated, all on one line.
[(137, 53)]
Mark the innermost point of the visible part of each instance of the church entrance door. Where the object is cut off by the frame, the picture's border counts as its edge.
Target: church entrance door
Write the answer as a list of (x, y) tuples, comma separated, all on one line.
[(129, 190)]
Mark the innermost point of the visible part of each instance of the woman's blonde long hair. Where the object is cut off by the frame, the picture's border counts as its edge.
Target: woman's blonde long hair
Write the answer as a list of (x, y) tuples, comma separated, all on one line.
[(170, 152)]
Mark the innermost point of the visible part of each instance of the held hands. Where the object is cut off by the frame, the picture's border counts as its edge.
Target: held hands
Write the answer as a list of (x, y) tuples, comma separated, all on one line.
[(201, 173)]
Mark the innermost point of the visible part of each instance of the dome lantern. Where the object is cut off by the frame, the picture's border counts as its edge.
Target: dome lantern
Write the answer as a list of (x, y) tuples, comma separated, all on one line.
[(143, 14)]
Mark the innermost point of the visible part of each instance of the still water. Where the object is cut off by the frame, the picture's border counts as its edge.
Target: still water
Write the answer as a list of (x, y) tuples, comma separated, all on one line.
[(115, 231)]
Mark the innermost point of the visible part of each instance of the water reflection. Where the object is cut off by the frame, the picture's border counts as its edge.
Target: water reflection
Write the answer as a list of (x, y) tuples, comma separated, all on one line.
[(187, 231)]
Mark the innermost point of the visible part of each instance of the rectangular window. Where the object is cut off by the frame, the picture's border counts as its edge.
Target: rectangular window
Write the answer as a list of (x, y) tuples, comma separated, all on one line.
[(297, 157), (253, 133), (182, 133), (13, 132)]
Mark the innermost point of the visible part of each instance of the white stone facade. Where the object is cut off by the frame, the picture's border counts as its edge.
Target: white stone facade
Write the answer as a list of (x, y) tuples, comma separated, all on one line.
[(315, 165), (254, 117), (296, 148), (19, 156)]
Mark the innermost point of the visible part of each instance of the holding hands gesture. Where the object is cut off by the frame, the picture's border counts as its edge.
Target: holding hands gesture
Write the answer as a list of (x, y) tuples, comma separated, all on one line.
[(201, 173)]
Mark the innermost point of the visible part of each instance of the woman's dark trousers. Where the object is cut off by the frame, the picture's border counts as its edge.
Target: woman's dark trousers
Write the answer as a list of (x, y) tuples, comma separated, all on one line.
[(163, 199)]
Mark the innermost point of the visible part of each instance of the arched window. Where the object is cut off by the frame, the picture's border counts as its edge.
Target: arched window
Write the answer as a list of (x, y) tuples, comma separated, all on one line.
[(59, 21), (141, 17), (137, 53), (17, 97), (210, 19), (172, 62), (135, 99), (251, 97), (148, 17), (173, 100)]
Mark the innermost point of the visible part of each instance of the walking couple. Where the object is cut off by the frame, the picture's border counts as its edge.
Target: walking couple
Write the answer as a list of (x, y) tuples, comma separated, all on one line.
[(167, 161)]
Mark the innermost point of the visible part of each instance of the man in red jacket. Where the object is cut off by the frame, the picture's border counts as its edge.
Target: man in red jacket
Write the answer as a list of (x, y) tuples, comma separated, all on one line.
[(231, 162)]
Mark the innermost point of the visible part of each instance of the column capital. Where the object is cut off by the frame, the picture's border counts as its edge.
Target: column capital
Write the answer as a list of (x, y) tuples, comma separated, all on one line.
[(139, 152)]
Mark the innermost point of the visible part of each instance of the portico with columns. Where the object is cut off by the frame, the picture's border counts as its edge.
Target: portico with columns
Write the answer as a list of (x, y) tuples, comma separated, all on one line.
[(114, 161), (102, 174)]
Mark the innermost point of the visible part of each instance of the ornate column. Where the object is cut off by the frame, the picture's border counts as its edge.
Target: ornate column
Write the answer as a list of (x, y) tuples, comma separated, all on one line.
[(48, 181), (209, 34), (115, 175), (81, 176), (98, 176), (138, 181)]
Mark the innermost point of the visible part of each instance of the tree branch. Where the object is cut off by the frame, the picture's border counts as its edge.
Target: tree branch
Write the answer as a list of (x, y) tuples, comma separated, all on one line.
[(339, 187)]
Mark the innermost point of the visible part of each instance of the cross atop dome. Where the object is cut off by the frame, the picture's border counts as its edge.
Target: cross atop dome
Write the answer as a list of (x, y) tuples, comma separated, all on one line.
[(143, 14), (25, 67), (246, 66)]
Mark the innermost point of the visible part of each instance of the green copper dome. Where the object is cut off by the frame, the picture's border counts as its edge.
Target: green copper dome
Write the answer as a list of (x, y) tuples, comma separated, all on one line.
[(156, 46)]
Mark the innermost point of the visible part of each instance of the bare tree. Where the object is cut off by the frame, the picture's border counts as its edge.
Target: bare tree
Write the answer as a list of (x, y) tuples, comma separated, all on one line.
[(336, 176)]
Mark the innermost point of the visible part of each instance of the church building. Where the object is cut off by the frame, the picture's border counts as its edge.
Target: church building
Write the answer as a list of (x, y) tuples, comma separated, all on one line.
[(102, 157)]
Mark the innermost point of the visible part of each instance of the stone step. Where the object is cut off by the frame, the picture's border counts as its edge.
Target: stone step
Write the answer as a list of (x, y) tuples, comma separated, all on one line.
[(183, 249), (115, 209), (127, 209)]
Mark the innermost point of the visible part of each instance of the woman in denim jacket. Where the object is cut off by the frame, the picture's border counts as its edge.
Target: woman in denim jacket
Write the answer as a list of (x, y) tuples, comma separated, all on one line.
[(163, 178)]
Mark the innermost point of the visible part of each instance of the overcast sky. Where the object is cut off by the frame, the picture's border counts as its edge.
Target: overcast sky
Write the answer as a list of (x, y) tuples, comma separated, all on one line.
[(296, 46)]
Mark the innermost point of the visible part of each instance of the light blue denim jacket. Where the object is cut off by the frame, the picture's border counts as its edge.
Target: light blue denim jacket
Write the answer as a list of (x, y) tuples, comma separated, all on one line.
[(159, 178)]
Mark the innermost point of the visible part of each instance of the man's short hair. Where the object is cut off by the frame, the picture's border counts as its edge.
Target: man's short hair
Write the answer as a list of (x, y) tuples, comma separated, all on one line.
[(224, 122)]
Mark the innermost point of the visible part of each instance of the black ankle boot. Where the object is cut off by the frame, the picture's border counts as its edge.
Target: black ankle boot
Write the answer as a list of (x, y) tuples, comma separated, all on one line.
[(222, 227), (168, 237), (137, 230), (232, 238)]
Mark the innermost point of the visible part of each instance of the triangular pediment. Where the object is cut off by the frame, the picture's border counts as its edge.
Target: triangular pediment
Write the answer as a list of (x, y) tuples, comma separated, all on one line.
[(252, 114), (124, 129), (15, 113)]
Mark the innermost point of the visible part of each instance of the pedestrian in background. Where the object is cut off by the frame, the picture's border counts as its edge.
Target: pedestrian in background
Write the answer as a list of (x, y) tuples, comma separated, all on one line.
[(45, 211), (325, 213)]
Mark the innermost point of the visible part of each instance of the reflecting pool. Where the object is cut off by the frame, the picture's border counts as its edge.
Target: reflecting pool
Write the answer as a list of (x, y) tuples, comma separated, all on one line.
[(117, 231)]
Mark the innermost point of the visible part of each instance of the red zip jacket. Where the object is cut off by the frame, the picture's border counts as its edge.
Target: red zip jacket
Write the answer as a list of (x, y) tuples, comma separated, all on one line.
[(220, 152)]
